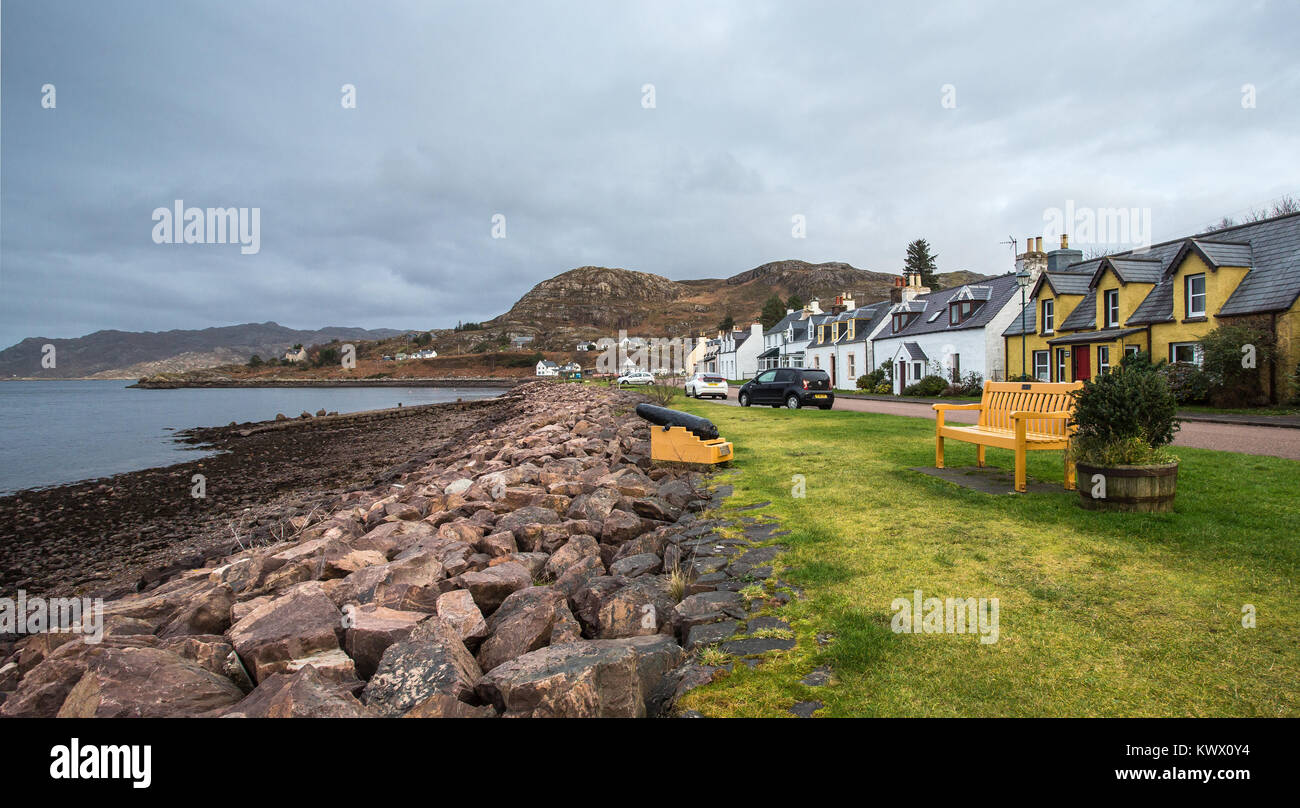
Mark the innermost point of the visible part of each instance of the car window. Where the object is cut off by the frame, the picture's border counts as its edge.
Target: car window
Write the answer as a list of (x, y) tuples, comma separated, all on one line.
[(785, 375), (764, 378)]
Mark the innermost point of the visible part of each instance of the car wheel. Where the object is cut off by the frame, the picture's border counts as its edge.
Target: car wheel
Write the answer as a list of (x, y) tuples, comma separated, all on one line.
[(792, 403), (686, 391), (744, 399)]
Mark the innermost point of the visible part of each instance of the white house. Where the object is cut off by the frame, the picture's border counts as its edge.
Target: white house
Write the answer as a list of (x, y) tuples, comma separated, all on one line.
[(950, 332), (547, 368), (299, 355), (841, 343), (738, 352), (784, 343)]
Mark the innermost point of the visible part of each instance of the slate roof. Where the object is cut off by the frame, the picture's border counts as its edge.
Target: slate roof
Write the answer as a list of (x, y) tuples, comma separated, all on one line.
[(1067, 283), (1226, 254), (1084, 316), (1106, 335), (914, 352), (1134, 270), (1000, 288)]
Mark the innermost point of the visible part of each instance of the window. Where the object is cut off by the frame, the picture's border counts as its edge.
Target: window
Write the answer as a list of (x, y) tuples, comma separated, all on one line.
[(918, 370), (766, 376), (1189, 352), (1061, 356), (852, 369), (956, 368), (817, 361), (784, 375), (1132, 350), (1196, 295), (1049, 317), (1112, 307), (961, 310), (1103, 359), (1041, 371)]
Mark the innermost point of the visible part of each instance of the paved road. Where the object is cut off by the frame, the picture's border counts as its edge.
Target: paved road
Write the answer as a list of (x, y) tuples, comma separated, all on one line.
[(1258, 440)]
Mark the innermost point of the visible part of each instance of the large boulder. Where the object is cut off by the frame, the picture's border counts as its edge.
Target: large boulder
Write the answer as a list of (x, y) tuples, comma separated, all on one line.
[(370, 629), (579, 575), (620, 526), (431, 661), (305, 694), (493, 585), (595, 506), (574, 550), (145, 683), (207, 612), (588, 679), (458, 608), (300, 623), (620, 607), (523, 623)]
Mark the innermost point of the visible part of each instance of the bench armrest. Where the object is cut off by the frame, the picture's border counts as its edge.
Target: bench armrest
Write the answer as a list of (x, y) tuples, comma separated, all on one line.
[(942, 407), (1061, 414)]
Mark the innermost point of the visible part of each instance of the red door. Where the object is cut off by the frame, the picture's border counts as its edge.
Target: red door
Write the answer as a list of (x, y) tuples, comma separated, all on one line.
[(1082, 361)]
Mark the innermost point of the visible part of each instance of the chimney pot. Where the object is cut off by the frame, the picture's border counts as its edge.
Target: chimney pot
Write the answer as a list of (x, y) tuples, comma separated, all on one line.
[(1065, 241), (1038, 244)]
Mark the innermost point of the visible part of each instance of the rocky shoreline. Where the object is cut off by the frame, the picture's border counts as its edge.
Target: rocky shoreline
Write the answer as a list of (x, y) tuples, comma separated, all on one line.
[(175, 384), (534, 564)]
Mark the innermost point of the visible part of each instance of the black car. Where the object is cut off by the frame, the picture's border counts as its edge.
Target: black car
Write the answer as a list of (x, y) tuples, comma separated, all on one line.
[(789, 387)]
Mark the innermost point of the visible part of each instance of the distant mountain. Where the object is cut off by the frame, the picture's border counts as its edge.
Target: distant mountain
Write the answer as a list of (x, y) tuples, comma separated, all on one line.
[(131, 354), (590, 302)]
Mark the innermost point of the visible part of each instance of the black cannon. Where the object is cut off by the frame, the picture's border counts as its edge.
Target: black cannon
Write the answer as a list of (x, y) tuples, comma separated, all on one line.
[(701, 428)]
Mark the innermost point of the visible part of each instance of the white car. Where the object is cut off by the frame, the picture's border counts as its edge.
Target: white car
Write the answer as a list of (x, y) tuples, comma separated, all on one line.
[(636, 377), (706, 384)]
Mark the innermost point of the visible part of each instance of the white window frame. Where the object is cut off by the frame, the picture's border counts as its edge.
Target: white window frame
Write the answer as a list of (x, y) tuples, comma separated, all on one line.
[(1049, 316), (1106, 301), (1062, 363), (1198, 356), (1046, 373), (1103, 359), (1187, 291)]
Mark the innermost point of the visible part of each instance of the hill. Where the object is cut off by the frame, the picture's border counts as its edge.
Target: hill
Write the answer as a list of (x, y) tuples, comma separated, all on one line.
[(131, 354)]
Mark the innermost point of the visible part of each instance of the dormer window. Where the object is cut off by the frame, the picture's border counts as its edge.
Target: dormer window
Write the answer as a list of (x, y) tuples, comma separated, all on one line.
[(961, 310)]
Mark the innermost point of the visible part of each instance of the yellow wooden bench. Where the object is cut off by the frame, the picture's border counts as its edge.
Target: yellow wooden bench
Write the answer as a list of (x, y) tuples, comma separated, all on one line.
[(1021, 416)]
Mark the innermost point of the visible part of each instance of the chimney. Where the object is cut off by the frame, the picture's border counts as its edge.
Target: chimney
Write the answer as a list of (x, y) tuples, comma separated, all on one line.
[(1032, 259), (1058, 260), (812, 307), (848, 301)]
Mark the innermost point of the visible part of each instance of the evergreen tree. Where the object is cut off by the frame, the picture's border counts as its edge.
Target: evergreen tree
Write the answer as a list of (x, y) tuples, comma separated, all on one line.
[(920, 259), (773, 311), (794, 303)]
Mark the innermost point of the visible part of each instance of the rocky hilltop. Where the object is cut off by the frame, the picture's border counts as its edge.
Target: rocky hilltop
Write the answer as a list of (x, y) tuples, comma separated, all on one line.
[(593, 302), (542, 567)]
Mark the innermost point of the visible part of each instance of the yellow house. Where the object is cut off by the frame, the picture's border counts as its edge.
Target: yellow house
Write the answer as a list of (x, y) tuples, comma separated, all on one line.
[(1080, 319)]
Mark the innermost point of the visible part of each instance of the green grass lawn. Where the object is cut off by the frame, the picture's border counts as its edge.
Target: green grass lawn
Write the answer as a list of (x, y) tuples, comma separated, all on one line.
[(1101, 614)]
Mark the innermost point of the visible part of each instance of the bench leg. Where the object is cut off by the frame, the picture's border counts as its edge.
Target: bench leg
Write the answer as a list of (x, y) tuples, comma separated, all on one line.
[(1069, 473), (1020, 456), (979, 454), (938, 452)]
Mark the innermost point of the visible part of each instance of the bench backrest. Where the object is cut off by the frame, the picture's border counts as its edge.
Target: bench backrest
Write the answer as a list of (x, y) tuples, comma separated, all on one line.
[(1003, 398)]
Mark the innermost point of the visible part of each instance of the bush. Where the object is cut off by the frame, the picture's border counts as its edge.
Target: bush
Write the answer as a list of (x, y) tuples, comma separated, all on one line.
[(1125, 417), (1188, 383), (884, 388), (1231, 384), (927, 386), (1295, 385)]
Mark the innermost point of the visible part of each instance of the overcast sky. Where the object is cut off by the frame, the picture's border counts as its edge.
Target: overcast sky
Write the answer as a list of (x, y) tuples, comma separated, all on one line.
[(382, 215)]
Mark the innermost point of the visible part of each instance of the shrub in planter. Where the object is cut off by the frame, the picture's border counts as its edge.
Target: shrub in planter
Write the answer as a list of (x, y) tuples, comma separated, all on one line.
[(1124, 421)]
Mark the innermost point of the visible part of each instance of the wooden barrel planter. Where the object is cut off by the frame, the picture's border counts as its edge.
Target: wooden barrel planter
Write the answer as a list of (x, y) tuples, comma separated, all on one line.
[(1145, 489)]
